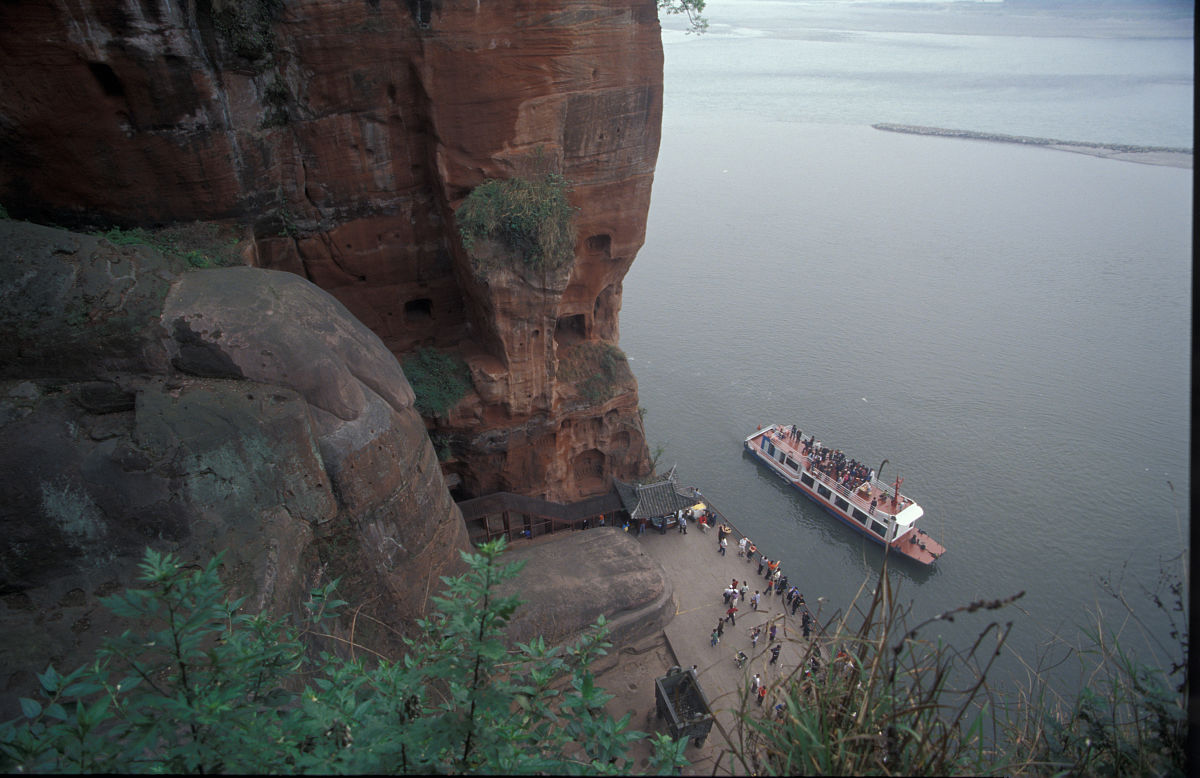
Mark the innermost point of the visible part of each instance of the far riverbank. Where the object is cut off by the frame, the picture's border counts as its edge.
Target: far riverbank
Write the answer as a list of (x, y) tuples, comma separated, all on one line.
[(1145, 155)]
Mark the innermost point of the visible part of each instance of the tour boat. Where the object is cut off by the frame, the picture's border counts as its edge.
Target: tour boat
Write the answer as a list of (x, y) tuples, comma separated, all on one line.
[(876, 509)]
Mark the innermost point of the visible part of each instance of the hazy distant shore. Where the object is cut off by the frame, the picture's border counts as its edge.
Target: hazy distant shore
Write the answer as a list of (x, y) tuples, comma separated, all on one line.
[(1146, 155)]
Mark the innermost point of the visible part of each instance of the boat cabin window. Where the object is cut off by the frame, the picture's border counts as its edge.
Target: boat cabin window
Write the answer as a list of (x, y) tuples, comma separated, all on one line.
[(862, 517), (779, 455), (839, 502), (770, 448), (806, 479), (792, 463), (878, 528), (821, 490)]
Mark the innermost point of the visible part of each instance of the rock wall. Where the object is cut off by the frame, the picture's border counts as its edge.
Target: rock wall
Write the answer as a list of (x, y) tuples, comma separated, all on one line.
[(239, 410), (342, 136)]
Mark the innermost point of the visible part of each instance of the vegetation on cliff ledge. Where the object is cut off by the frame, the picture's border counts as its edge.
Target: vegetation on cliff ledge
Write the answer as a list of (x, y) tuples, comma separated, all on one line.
[(533, 219), (199, 244), (208, 688), (439, 380), (596, 369)]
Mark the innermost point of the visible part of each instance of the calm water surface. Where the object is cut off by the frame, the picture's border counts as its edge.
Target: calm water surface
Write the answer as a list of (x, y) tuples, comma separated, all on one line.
[(1009, 326)]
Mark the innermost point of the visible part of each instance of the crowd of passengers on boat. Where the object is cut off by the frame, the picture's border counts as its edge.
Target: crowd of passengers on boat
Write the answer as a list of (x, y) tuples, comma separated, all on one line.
[(850, 473)]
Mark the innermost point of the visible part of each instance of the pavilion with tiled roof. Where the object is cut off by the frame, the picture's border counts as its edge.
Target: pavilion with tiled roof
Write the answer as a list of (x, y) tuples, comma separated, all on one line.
[(656, 500)]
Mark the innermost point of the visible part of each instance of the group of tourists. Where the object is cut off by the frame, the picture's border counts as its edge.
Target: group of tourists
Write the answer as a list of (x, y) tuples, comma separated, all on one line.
[(738, 593), (850, 473)]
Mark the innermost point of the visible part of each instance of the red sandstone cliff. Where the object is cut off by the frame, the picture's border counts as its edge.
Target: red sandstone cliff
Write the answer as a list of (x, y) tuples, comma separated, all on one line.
[(342, 136)]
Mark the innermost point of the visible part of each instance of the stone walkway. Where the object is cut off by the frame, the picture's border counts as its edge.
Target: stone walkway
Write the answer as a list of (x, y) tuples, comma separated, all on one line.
[(699, 575)]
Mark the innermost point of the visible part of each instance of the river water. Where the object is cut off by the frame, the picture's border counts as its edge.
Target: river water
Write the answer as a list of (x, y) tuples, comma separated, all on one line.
[(1008, 326)]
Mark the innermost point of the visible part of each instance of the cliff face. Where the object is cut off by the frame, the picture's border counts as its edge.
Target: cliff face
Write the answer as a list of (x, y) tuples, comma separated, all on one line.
[(343, 136)]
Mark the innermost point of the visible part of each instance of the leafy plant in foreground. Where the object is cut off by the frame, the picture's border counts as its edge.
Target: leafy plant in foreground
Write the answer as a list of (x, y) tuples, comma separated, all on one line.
[(205, 688)]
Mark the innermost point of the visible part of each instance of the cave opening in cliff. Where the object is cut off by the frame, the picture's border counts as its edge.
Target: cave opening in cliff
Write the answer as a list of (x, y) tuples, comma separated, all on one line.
[(600, 245), (418, 310), (107, 78), (570, 330)]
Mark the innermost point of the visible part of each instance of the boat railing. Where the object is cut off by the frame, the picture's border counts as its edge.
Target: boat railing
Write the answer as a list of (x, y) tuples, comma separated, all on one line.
[(853, 497), (885, 489)]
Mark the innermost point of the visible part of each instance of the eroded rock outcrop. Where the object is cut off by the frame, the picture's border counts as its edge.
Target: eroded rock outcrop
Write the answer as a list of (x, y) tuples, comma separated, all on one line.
[(342, 136), (239, 410)]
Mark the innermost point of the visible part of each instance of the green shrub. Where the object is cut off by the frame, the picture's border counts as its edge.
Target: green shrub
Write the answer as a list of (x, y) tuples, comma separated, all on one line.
[(439, 380), (532, 219), (208, 688)]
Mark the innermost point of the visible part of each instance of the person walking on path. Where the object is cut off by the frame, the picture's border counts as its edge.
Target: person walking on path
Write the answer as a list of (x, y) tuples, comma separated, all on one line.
[(720, 628), (754, 635), (729, 615), (755, 682), (771, 634), (715, 638), (762, 694), (728, 593), (750, 549), (775, 653), (742, 547), (742, 591), (724, 543), (683, 525), (782, 585), (806, 624), (754, 600), (762, 562), (733, 598), (796, 604)]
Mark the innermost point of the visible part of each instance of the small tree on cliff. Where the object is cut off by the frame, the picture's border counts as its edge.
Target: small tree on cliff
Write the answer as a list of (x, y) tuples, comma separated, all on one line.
[(206, 688), (693, 8)]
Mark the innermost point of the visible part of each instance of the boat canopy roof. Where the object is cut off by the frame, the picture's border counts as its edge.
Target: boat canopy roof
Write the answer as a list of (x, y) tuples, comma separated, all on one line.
[(907, 517)]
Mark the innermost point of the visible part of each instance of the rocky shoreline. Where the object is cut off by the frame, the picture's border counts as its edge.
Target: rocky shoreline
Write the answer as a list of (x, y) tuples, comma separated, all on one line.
[(1146, 155)]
